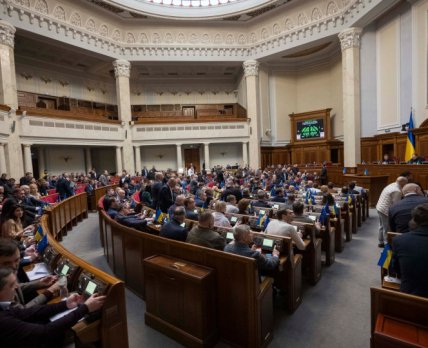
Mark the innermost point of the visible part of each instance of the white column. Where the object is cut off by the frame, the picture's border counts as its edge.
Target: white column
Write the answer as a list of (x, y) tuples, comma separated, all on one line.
[(138, 160), (122, 71), (350, 44), (207, 157), (119, 166), (9, 96), (3, 168), (179, 157), (88, 159), (28, 164), (251, 70), (244, 153), (42, 162)]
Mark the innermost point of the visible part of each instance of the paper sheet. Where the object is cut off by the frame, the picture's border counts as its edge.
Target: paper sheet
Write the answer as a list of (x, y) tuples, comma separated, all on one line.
[(62, 314), (39, 271)]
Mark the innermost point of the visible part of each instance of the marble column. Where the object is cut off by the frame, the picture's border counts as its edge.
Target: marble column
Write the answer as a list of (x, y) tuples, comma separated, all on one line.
[(28, 164), (138, 167), (122, 71), (179, 157), (3, 168), (207, 157), (9, 96), (119, 166), (244, 153), (42, 162), (88, 159), (350, 44), (251, 71)]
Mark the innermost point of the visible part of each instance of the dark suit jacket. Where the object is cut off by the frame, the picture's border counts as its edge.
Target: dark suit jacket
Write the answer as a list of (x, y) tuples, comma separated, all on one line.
[(155, 190), (166, 198), (261, 204), (232, 191), (173, 230), (278, 199), (410, 261), (63, 188), (401, 212), (190, 214), (23, 327), (131, 221)]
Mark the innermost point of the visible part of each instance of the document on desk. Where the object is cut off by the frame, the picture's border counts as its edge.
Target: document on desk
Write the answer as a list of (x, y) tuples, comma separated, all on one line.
[(39, 271), (62, 314)]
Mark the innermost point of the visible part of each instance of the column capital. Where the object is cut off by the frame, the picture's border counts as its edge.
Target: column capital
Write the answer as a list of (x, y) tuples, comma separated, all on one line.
[(122, 68), (206, 144), (251, 68), (350, 38), (7, 34), (26, 145), (178, 145), (118, 147)]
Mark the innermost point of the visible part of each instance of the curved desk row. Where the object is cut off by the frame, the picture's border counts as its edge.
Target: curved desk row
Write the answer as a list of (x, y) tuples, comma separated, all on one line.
[(109, 329)]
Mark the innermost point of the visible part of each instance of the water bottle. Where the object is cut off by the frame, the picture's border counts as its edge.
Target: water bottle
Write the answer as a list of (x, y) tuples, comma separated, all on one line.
[(63, 291), (366, 172)]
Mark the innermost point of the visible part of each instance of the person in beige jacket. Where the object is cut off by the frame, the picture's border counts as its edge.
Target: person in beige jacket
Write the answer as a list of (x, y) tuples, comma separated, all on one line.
[(390, 195)]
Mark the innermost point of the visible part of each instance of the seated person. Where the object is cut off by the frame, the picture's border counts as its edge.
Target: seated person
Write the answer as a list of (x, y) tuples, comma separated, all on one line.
[(400, 213), (29, 199), (145, 196), (290, 200), (175, 229), (34, 192), (300, 216), (179, 202), (200, 200), (124, 217), (415, 159), (241, 246), (26, 295), (331, 189), (13, 224), (352, 189), (190, 207), (111, 205), (279, 196), (409, 254), (231, 207), (282, 227), (18, 198), (203, 234), (219, 218), (244, 206), (30, 327), (386, 159), (261, 200)]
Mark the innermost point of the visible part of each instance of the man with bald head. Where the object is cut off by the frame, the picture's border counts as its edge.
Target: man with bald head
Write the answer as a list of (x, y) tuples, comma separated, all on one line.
[(401, 212), (390, 195)]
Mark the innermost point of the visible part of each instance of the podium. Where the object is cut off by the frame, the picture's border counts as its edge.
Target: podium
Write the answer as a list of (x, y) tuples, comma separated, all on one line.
[(180, 300), (374, 183)]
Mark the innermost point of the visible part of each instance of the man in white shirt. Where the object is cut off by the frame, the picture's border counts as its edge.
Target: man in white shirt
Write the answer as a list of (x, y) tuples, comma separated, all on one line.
[(390, 195), (282, 227)]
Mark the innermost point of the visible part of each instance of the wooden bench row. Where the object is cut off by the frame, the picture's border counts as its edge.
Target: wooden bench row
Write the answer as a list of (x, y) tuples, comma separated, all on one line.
[(110, 329)]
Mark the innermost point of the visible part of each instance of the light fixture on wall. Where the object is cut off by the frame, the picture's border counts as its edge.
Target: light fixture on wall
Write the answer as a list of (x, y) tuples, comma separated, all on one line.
[(26, 76), (268, 132), (63, 83), (45, 79), (66, 158), (160, 156), (90, 89), (223, 153)]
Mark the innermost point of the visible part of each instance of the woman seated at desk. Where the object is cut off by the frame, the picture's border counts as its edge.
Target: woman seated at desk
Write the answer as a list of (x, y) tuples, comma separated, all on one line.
[(12, 226)]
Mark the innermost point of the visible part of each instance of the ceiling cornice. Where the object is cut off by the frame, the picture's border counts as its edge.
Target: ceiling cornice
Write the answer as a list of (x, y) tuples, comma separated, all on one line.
[(268, 38)]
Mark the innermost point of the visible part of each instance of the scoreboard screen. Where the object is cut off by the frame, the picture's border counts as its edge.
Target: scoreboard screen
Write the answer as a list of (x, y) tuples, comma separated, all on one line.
[(310, 129)]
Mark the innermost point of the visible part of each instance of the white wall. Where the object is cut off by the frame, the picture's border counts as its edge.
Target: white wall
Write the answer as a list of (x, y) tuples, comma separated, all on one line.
[(150, 157), (308, 90), (104, 158), (63, 84), (55, 163), (224, 154)]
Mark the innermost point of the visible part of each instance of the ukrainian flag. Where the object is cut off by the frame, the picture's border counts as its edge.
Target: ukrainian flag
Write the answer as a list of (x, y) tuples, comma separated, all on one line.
[(159, 216), (385, 257), (410, 145), (38, 236)]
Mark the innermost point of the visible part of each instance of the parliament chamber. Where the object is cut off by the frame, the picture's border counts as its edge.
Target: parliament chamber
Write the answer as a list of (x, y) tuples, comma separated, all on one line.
[(128, 129)]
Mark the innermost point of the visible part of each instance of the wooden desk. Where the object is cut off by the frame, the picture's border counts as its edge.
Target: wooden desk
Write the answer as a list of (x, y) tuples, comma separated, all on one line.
[(375, 184)]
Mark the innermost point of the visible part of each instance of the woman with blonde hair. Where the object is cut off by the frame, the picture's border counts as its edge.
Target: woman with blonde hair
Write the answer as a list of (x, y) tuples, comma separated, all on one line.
[(219, 218)]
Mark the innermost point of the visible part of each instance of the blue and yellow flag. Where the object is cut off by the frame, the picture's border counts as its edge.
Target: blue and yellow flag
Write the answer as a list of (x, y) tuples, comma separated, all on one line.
[(385, 257), (41, 246), (159, 216), (39, 233), (410, 145)]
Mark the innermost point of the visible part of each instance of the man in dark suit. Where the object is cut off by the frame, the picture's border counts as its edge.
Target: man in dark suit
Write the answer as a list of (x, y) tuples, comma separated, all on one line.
[(26, 180), (231, 190), (175, 229), (261, 200), (156, 188), (410, 256), (189, 205), (144, 172), (401, 212), (167, 195), (279, 196), (63, 187), (323, 174)]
